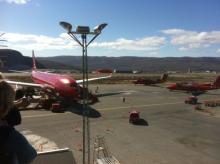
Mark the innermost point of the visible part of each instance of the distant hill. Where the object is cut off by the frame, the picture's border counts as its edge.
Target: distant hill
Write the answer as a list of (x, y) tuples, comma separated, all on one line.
[(146, 64), (14, 60), (48, 64)]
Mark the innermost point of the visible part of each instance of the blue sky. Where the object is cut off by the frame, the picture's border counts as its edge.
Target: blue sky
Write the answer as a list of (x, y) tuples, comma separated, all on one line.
[(156, 28)]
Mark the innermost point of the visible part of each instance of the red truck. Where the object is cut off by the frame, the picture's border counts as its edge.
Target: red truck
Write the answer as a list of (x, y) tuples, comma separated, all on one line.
[(134, 116)]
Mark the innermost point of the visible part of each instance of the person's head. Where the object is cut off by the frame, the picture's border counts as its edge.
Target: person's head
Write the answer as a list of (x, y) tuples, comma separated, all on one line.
[(7, 96)]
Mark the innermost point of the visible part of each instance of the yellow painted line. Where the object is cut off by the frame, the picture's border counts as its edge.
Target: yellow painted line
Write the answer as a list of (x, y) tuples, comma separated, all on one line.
[(139, 106)]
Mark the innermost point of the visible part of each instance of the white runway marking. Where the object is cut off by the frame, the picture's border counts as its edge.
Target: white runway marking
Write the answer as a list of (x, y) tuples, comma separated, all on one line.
[(128, 92), (38, 142)]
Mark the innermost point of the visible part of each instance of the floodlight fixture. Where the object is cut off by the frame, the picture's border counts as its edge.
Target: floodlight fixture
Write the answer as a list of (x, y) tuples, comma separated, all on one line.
[(98, 29), (67, 26), (2, 34), (82, 30)]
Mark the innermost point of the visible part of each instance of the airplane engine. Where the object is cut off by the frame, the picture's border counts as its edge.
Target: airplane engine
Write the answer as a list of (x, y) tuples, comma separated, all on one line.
[(21, 92), (30, 92)]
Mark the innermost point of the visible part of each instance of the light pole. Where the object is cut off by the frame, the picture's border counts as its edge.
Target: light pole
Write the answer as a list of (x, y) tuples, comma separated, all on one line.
[(83, 31)]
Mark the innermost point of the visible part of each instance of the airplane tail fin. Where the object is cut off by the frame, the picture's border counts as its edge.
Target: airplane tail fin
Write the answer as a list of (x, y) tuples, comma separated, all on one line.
[(217, 82), (34, 61), (164, 77)]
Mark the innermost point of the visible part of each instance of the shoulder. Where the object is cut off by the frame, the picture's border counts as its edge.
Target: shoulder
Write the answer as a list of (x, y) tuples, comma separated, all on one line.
[(18, 139), (15, 134), (24, 150), (4, 133), (9, 137)]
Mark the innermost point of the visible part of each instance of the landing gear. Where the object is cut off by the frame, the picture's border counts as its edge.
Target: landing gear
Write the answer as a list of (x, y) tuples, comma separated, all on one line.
[(92, 98)]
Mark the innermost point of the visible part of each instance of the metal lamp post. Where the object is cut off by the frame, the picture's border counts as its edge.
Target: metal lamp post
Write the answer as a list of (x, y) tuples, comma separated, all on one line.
[(83, 31)]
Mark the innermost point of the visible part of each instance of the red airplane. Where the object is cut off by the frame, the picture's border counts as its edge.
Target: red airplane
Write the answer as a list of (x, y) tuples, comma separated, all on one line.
[(145, 81), (62, 85), (195, 88)]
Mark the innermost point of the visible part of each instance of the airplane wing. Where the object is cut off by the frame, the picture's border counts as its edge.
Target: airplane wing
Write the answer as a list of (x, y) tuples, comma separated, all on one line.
[(28, 72), (16, 71), (24, 84), (92, 79)]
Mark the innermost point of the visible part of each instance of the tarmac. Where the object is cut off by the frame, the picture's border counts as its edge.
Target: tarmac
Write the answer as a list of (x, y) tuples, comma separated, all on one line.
[(170, 130)]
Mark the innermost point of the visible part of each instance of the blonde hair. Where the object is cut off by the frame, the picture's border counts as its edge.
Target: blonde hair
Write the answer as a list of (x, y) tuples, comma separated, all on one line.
[(7, 97)]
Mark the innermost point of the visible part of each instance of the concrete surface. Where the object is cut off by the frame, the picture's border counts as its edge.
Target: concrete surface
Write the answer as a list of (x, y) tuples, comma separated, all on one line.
[(55, 157), (170, 131)]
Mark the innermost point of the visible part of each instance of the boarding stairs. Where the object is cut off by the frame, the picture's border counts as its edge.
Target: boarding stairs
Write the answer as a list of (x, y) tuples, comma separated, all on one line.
[(101, 154)]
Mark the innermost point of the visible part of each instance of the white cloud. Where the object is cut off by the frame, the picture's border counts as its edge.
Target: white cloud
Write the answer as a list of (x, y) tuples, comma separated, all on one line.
[(38, 42), (63, 42), (192, 39), (154, 53), (144, 44), (183, 49), (19, 2), (218, 50), (173, 31)]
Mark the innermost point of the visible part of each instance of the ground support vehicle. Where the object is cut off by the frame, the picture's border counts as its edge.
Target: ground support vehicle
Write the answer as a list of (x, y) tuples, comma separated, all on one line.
[(191, 100), (134, 116)]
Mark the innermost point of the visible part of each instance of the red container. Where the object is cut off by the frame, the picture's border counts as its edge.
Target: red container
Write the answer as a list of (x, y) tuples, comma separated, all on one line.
[(56, 106)]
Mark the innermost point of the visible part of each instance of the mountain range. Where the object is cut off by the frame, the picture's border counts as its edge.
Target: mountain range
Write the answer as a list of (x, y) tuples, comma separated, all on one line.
[(145, 64), (12, 59)]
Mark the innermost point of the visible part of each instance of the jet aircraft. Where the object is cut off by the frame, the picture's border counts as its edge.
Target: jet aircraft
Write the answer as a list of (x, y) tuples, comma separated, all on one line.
[(147, 81), (195, 88), (61, 85)]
